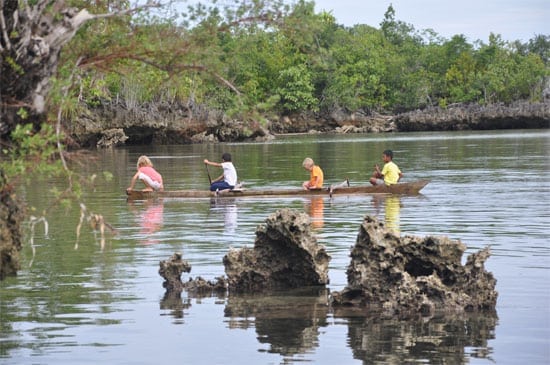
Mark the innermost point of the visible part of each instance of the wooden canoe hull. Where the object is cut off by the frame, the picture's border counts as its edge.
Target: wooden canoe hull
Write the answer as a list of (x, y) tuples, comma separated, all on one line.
[(408, 188)]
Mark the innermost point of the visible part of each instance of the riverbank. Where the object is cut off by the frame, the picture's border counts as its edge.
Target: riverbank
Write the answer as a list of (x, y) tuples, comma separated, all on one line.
[(115, 124)]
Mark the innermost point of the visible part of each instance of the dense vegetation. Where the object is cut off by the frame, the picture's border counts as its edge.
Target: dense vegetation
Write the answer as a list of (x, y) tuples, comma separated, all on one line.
[(297, 61)]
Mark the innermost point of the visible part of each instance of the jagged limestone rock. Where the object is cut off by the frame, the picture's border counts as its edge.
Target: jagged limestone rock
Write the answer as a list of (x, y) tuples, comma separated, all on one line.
[(409, 276), (171, 271), (285, 255)]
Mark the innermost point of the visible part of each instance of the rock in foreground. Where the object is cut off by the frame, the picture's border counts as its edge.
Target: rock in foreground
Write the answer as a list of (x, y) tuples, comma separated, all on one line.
[(171, 271), (408, 276), (285, 255)]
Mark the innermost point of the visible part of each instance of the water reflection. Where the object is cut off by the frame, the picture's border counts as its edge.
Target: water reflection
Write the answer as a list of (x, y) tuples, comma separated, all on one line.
[(172, 300), (441, 340), (230, 212), (289, 322), (150, 217), (315, 206), (391, 206)]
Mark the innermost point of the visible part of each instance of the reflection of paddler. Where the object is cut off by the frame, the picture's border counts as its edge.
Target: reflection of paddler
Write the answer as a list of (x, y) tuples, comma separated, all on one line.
[(230, 212), (315, 210), (393, 206), (152, 218), (230, 218)]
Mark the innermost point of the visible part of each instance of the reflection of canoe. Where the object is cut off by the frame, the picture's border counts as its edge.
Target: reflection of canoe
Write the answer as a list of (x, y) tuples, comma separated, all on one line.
[(409, 188)]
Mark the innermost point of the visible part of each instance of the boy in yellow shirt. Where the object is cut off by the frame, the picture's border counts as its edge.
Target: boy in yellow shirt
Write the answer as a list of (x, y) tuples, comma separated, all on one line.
[(390, 173)]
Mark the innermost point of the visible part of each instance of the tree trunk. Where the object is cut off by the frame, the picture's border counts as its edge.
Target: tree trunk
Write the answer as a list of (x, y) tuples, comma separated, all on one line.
[(30, 43)]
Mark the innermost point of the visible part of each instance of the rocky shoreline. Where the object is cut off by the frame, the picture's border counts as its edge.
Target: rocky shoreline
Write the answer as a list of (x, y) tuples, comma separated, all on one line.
[(116, 124)]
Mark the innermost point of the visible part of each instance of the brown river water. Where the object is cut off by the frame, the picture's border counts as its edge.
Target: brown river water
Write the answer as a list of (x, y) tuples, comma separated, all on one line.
[(103, 302)]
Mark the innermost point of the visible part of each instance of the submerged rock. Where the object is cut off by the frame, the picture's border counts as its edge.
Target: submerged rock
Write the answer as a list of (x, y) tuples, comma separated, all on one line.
[(171, 271), (202, 287), (408, 276), (285, 255)]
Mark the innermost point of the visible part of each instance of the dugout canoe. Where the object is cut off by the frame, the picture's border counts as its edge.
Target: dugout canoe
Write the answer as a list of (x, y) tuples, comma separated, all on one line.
[(405, 188)]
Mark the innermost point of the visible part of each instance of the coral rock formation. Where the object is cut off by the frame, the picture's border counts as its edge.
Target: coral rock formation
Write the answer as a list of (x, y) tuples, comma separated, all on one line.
[(285, 255), (408, 276), (171, 271)]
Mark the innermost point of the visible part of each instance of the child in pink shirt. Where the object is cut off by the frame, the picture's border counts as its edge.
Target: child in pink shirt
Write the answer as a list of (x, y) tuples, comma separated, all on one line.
[(148, 175)]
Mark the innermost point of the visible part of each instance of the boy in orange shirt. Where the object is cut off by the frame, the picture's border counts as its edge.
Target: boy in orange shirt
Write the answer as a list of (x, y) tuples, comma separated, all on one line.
[(315, 175)]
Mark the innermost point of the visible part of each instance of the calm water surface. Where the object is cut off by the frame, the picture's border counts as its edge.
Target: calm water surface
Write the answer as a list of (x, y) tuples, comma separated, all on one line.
[(97, 304)]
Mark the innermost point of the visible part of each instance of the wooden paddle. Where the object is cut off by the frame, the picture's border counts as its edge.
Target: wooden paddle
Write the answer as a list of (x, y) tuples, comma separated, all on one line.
[(208, 172)]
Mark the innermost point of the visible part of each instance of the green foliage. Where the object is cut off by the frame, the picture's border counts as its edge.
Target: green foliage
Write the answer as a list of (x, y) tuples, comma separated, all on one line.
[(96, 90), (107, 175), (18, 69), (397, 32), (359, 69), (267, 58), (540, 45), (31, 152), (23, 113), (296, 90), (461, 78), (68, 104)]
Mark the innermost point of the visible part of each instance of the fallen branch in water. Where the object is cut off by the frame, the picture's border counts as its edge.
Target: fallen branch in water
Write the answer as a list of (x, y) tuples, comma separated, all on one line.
[(96, 222)]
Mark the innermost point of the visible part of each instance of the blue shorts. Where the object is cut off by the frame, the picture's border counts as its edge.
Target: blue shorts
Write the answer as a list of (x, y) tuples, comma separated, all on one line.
[(220, 185)]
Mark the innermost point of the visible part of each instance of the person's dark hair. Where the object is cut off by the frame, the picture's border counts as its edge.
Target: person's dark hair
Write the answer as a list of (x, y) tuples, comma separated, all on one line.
[(388, 153), (226, 157)]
